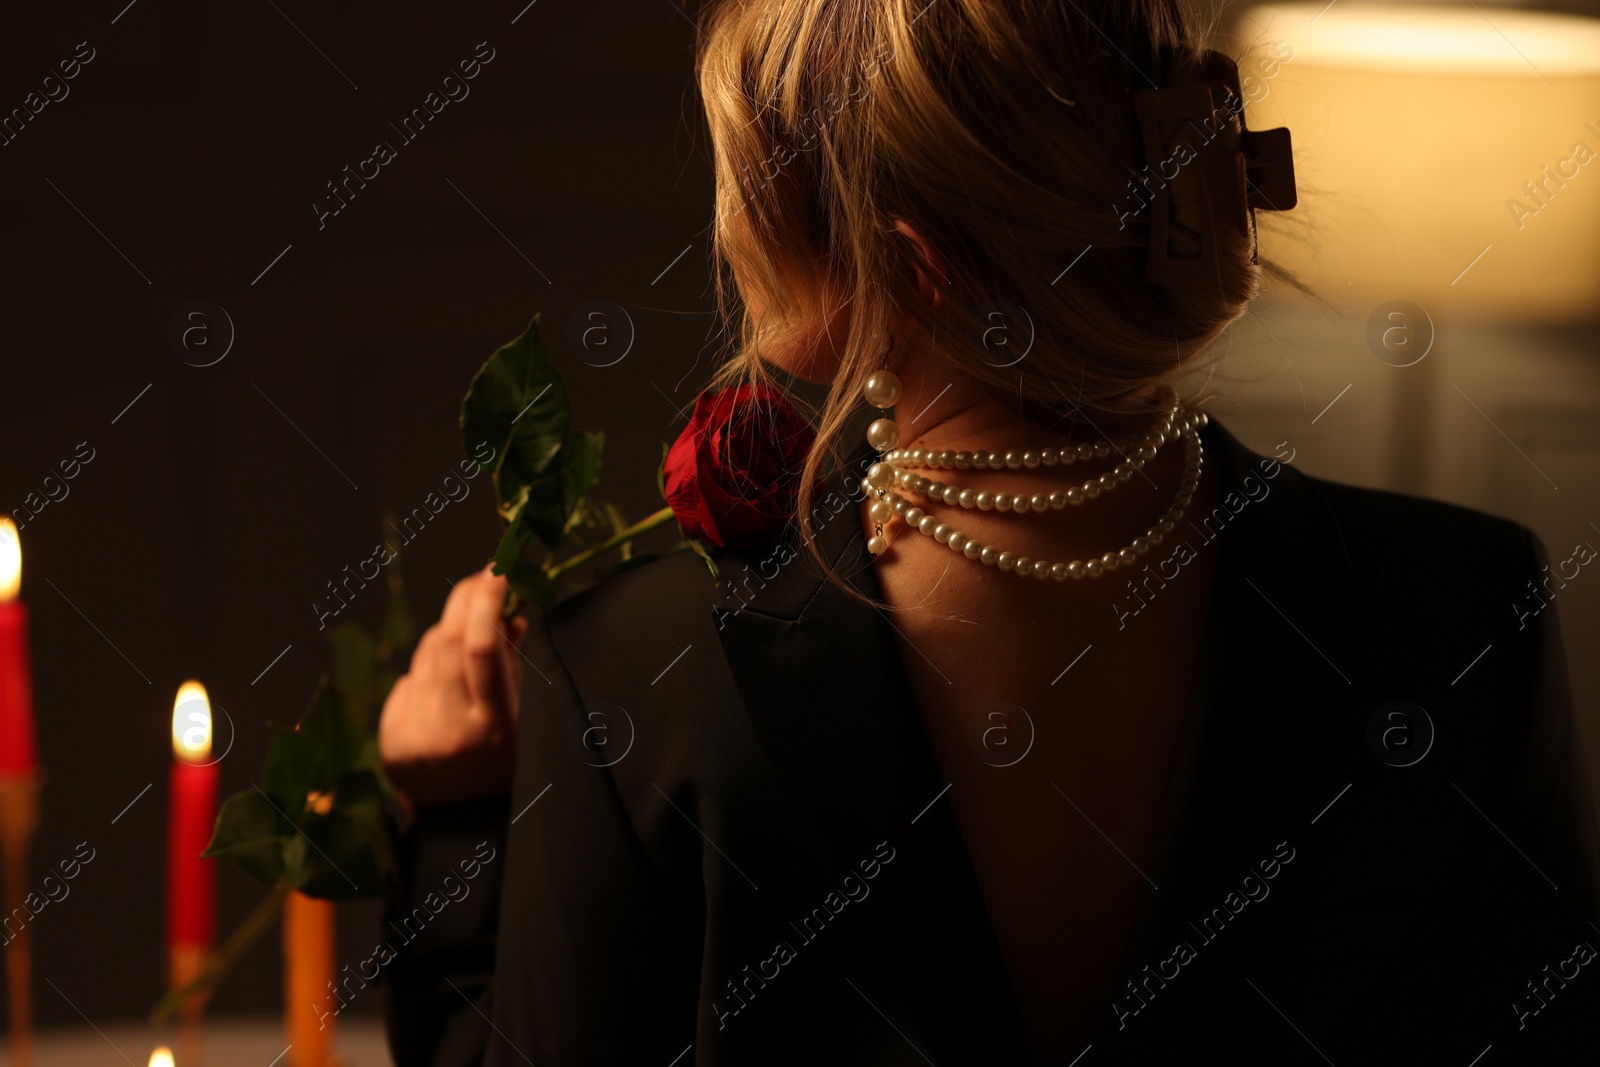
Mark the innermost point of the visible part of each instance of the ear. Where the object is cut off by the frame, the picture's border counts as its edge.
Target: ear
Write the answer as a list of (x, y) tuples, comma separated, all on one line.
[(933, 270)]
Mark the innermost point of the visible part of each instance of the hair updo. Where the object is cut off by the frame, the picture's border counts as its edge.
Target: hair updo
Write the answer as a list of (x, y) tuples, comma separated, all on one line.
[(1005, 132)]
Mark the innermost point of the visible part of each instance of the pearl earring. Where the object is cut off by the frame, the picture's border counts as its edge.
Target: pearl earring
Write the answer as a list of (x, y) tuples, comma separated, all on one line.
[(882, 391)]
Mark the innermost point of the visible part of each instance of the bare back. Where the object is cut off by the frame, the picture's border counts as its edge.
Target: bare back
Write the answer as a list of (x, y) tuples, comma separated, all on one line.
[(1059, 838)]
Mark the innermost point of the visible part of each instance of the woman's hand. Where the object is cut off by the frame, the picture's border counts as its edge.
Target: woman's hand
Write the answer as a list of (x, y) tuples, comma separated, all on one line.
[(448, 727)]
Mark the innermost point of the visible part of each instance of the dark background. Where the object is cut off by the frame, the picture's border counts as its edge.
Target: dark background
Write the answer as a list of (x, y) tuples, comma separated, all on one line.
[(195, 542)]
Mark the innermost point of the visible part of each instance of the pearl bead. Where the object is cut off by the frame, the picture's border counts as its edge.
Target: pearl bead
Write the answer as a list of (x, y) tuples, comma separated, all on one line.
[(1086, 451), (1023, 566), (883, 434), (963, 461), (1050, 457), (880, 476), (877, 546), (883, 389), (997, 460), (882, 511)]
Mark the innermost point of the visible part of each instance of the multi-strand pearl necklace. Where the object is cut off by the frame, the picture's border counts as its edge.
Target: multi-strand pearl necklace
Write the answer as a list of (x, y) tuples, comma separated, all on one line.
[(891, 472)]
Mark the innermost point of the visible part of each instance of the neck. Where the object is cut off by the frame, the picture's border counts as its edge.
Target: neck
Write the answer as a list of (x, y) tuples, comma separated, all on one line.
[(936, 413)]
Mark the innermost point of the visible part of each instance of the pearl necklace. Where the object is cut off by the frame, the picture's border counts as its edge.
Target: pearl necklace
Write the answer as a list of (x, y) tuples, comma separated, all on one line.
[(883, 391), (1143, 449)]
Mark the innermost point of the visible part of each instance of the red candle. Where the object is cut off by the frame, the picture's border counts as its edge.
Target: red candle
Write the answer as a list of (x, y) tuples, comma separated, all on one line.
[(191, 817), (17, 753)]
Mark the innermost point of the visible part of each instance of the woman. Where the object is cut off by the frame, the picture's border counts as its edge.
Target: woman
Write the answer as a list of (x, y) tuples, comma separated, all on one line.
[(1206, 785)]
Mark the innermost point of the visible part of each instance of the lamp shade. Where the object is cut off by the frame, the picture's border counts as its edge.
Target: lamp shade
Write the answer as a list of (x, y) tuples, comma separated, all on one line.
[(1445, 155)]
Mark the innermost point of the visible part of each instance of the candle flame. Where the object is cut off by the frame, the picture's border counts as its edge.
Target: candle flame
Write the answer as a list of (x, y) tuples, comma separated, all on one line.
[(161, 1057), (191, 723), (10, 561)]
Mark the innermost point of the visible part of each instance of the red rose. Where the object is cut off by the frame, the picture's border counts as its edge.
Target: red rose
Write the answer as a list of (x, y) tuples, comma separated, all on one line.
[(730, 477)]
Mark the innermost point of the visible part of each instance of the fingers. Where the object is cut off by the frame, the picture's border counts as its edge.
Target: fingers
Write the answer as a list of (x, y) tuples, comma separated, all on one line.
[(457, 607), (488, 677)]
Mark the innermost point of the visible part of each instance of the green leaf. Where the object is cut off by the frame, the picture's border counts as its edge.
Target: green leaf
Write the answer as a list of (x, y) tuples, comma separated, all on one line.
[(661, 471), (512, 541), (331, 858), (518, 406), (250, 834), (530, 583), (555, 496), (339, 729), (355, 661), (294, 767), (364, 797)]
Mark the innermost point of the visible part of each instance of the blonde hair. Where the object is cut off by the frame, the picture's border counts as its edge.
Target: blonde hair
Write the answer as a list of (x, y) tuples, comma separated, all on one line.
[(1004, 131)]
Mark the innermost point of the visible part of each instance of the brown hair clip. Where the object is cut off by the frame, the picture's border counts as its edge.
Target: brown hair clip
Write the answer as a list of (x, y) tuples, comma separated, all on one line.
[(1233, 181)]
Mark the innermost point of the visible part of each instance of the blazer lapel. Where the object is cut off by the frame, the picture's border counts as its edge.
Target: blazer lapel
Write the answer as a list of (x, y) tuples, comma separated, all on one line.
[(820, 675)]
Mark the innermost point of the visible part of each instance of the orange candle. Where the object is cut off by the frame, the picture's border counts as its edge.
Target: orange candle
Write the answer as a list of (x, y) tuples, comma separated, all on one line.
[(309, 1001)]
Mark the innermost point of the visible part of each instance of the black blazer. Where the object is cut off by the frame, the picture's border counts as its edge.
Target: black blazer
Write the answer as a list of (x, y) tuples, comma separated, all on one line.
[(767, 871)]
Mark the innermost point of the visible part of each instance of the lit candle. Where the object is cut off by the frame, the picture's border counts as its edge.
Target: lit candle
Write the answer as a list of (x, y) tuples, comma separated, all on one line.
[(161, 1057), (191, 817), (17, 755), (19, 789)]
